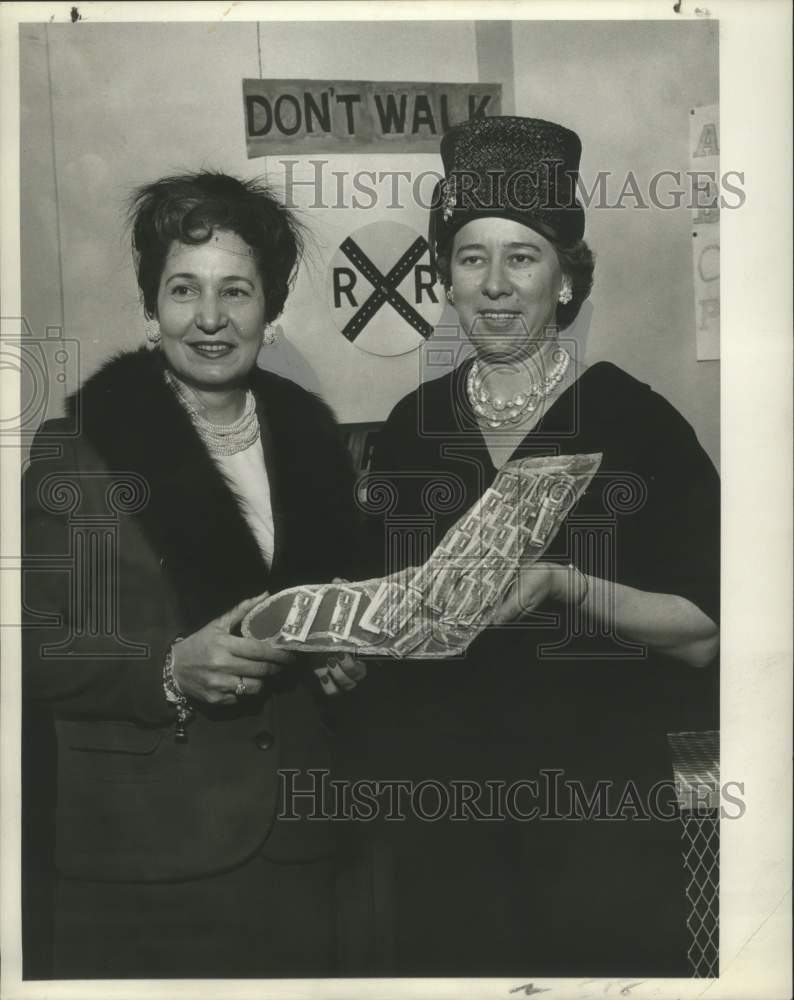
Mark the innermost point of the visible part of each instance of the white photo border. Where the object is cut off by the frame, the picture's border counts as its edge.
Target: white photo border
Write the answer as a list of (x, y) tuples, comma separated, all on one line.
[(756, 411)]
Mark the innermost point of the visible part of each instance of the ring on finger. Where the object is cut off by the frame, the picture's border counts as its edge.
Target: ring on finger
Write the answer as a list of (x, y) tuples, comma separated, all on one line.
[(327, 681), (344, 681), (241, 689)]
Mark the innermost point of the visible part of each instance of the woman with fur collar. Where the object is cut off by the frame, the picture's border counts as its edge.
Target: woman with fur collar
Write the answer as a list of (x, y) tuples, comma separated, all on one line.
[(183, 483)]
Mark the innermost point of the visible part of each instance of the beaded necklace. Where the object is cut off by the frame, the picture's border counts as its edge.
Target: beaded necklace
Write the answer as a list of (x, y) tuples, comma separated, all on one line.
[(221, 440), (495, 411)]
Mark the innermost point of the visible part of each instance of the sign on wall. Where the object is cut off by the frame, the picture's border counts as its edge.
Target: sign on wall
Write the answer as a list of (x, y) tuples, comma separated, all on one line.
[(704, 138), (287, 116), (381, 292)]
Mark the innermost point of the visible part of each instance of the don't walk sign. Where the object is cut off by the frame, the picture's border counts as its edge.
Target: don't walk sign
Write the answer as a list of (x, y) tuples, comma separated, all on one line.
[(381, 291)]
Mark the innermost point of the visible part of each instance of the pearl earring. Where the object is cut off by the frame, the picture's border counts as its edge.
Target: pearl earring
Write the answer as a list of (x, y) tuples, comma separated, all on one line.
[(153, 331), (566, 292), (269, 336), (450, 296)]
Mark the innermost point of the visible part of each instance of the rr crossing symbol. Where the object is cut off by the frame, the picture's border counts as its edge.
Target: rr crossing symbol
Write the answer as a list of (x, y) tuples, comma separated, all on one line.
[(383, 297), (385, 287)]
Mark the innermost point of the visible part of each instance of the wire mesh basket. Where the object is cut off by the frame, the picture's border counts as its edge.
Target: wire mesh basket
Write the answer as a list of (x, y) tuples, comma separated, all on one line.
[(697, 778)]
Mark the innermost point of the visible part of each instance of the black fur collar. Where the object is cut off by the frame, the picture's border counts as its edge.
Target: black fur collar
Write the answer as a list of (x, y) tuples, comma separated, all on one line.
[(193, 520)]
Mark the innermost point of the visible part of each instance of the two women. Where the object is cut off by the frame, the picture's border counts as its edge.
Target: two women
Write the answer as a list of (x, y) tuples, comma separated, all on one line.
[(195, 483), (599, 651), (214, 481)]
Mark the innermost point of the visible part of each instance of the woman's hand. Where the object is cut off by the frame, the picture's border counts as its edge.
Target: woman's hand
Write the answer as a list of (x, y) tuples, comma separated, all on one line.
[(341, 673), (218, 668), (535, 584)]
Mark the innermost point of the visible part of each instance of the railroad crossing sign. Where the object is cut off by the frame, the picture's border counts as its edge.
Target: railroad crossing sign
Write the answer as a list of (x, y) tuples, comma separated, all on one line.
[(381, 291)]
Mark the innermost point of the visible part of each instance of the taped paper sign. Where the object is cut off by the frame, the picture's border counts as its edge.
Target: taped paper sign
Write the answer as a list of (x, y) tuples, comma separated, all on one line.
[(704, 139), (436, 610), (287, 116)]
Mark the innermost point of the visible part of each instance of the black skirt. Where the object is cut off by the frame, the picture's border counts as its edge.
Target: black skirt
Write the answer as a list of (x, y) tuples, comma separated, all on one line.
[(260, 920)]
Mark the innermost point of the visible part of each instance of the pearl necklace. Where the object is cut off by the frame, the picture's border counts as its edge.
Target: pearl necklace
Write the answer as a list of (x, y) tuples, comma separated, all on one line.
[(496, 412), (221, 440)]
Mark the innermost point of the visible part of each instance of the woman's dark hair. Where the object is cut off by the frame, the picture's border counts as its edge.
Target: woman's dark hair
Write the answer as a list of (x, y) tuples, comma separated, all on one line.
[(191, 207), (576, 261)]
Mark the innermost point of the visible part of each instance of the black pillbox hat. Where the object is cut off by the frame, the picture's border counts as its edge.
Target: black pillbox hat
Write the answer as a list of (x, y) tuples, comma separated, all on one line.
[(524, 169)]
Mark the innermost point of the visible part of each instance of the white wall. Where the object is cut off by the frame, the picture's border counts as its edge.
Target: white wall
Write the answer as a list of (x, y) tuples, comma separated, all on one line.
[(132, 102), (126, 103), (626, 88)]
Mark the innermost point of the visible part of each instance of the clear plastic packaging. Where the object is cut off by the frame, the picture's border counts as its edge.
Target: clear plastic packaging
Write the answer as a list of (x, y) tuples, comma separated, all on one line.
[(435, 610)]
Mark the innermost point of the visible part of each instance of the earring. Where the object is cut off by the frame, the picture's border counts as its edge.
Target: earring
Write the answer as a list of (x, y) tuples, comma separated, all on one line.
[(269, 336), (566, 292), (152, 331), (450, 297)]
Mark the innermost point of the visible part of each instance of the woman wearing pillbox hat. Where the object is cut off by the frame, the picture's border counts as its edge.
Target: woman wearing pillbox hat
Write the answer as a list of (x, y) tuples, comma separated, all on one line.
[(599, 651)]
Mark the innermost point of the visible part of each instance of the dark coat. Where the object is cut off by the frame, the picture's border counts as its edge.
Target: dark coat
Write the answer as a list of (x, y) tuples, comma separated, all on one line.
[(544, 897), (133, 537)]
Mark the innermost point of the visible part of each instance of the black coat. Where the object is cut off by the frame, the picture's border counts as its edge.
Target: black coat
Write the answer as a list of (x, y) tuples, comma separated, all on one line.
[(550, 897), (131, 538)]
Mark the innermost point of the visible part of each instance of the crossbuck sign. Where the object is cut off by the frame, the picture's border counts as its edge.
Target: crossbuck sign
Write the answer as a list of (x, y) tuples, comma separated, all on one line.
[(381, 291)]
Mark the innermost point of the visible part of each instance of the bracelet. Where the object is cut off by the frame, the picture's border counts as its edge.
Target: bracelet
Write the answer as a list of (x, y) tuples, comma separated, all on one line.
[(586, 590), (175, 695)]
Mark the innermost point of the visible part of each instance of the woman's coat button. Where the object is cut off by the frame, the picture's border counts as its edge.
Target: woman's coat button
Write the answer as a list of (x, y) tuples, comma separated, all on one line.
[(264, 739)]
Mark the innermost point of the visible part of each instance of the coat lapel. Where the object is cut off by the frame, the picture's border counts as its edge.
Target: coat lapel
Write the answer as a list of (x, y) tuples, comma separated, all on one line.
[(274, 479), (193, 519)]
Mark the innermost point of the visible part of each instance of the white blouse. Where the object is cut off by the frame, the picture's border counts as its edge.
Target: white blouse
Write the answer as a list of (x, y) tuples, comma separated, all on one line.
[(246, 474)]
